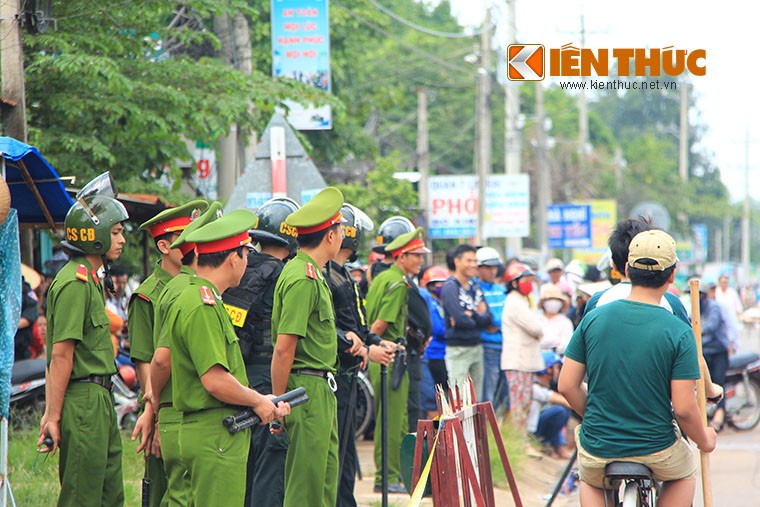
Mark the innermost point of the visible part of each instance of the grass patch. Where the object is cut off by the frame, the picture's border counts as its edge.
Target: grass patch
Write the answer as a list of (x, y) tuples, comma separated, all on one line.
[(34, 480), (515, 441)]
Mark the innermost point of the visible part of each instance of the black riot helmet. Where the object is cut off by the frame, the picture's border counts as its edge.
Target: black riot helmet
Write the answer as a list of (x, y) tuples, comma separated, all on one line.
[(272, 227), (356, 226), (391, 229)]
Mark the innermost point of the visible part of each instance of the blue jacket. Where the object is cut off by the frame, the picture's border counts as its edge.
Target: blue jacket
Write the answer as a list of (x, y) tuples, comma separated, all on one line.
[(494, 295), (715, 337), (436, 349)]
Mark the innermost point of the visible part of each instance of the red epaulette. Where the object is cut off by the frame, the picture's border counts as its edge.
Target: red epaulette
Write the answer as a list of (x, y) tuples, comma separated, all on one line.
[(143, 297), (207, 297), (311, 272), (82, 273)]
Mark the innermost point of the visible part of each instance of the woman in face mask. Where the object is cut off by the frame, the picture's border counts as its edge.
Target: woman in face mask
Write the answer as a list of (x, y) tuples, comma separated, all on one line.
[(521, 329), (558, 329)]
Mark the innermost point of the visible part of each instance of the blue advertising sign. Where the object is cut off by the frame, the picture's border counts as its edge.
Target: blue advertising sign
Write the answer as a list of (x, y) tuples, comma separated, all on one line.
[(569, 225), (301, 51)]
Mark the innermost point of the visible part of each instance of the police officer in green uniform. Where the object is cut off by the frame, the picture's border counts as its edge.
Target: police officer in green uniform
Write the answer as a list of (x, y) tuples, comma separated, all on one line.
[(79, 413), (208, 373), (164, 228), (387, 311), (355, 344), (169, 419), (250, 304), (389, 230), (305, 355)]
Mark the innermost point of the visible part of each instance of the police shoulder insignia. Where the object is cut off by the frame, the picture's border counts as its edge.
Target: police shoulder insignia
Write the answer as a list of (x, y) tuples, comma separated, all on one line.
[(311, 272), (82, 273), (143, 297), (207, 297)]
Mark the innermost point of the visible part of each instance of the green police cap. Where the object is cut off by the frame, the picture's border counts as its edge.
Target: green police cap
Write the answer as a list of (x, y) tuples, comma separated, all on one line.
[(213, 212), (175, 219), (226, 233), (319, 213), (410, 242)]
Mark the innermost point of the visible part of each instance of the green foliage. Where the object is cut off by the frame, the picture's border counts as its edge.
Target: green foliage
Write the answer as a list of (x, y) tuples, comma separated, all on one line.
[(113, 88), (382, 196)]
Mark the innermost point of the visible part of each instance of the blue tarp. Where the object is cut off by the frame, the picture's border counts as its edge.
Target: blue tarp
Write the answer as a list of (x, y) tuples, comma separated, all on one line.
[(46, 178), (10, 302)]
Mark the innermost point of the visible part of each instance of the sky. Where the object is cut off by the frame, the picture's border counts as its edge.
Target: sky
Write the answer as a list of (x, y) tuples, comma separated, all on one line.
[(727, 96)]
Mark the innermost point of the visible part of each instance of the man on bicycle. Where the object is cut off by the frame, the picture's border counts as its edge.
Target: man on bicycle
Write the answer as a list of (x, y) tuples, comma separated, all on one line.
[(641, 363)]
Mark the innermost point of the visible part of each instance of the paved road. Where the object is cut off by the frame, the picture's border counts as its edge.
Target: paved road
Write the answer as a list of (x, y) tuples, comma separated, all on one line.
[(735, 470)]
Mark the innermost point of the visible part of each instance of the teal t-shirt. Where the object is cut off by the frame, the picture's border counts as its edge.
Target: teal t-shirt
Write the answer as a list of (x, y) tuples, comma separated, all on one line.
[(631, 351)]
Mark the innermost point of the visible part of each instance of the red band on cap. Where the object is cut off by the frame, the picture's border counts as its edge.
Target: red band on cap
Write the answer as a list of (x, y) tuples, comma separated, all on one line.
[(412, 245), (186, 248), (320, 227), (173, 225), (221, 245)]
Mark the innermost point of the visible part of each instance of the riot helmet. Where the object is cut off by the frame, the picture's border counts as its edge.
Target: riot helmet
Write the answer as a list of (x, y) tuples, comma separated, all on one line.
[(391, 229), (356, 226), (272, 227), (88, 222)]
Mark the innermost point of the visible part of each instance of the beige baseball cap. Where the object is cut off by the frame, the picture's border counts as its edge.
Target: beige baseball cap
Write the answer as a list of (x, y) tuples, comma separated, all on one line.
[(652, 250)]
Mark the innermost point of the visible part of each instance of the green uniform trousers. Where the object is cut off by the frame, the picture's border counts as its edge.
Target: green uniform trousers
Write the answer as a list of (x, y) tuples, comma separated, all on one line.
[(265, 481), (397, 423), (177, 481), (90, 464), (214, 458), (154, 470), (311, 466)]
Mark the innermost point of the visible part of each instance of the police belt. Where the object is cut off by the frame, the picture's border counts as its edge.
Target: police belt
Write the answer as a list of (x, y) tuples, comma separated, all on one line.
[(319, 373), (167, 404), (101, 380)]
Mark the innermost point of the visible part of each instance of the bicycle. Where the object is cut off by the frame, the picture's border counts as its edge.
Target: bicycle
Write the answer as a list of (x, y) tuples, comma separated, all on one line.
[(636, 480)]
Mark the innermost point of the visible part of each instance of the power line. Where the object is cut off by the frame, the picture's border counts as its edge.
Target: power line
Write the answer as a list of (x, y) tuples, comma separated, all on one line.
[(410, 47), (435, 33)]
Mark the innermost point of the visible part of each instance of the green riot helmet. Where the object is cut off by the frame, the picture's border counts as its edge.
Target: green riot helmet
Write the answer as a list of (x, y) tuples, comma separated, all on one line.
[(356, 226), (390, 230), (88, 222), (272, 227)]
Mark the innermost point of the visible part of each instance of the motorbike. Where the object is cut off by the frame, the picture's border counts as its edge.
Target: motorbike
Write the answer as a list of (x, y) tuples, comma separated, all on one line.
[(28, 385), (742, 392)]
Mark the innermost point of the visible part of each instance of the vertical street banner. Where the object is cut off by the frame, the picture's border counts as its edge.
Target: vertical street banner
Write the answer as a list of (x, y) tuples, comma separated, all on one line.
[(453, 206), (301, 51)]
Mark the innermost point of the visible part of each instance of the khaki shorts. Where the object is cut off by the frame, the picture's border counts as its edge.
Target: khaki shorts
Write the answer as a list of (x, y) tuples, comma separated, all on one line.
[(676, 462)]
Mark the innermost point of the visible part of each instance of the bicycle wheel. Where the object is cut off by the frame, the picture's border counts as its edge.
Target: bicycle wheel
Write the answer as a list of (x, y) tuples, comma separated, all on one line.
[(365, 404), (631, 495)]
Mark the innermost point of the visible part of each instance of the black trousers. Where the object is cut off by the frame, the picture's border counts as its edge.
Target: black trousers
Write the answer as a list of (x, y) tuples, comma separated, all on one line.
[(413, 405), (265, 473), (346, 424)]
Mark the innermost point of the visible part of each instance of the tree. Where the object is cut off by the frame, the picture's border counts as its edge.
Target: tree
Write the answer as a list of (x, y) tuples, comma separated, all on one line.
[(121, 86)]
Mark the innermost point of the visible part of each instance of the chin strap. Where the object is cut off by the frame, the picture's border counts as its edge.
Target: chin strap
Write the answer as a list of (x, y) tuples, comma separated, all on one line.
[(107, 280)]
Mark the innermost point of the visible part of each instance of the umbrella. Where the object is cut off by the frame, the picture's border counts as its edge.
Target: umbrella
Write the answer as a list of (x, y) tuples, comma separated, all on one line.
[(36, 189)]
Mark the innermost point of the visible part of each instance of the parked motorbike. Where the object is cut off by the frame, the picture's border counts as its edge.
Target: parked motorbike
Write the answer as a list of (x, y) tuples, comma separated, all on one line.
[(28, 385), (742, 392)]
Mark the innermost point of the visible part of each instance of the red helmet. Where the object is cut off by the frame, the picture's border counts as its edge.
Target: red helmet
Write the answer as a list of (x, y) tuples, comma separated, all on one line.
[(434, 274), (515, 271)]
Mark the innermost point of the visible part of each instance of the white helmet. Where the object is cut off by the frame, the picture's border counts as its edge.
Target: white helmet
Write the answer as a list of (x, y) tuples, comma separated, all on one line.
[(487, 256)]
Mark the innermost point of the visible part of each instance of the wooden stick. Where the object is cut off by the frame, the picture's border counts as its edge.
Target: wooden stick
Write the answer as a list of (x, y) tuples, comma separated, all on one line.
[(696, 324), (36, 193)]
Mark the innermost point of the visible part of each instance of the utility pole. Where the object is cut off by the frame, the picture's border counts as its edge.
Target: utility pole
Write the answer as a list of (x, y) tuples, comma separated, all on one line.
[(683, 136), (582, 104), (423, 156), (543, 181), (745, 214), (483, 135), (14, 94), (512, 144)]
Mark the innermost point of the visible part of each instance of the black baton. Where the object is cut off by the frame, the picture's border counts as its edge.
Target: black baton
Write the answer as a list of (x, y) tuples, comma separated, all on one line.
[(248, 413), (384, 431), (255, 419)]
